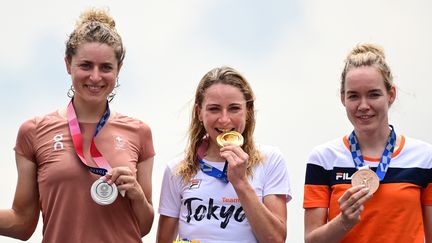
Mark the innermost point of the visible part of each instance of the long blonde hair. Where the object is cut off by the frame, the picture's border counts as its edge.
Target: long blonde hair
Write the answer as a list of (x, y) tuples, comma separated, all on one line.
[(197, 133)]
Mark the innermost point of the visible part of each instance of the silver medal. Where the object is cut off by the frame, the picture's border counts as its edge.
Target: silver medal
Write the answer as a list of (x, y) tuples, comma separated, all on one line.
[(103, 193)]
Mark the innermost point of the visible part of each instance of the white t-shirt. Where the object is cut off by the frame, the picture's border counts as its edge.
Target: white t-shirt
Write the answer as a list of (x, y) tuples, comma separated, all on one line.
[(209, 210)]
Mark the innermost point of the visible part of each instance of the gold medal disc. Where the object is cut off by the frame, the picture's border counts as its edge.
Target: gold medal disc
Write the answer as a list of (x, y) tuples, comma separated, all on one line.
[(366, 177), (230, 137)]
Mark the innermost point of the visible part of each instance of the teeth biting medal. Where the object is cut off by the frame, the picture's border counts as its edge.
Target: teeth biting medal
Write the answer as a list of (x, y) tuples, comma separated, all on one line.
[(230, 137)]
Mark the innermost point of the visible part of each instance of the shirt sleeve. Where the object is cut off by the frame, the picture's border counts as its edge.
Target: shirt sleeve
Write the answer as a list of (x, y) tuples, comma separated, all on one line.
[(24, 141), (277, 177), (147, 148), (427, 191), (170, 196), (316, 189)]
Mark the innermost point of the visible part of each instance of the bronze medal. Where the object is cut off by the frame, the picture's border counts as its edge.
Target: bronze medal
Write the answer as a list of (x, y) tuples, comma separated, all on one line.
[(366, 177), (230, 137)]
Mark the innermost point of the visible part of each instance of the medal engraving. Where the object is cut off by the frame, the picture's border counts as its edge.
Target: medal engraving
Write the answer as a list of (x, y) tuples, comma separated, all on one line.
[(230, 137), (103, 193), (366, 177)]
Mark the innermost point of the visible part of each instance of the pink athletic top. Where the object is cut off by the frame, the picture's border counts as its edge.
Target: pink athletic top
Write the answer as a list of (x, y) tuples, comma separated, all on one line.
[(64, 182)]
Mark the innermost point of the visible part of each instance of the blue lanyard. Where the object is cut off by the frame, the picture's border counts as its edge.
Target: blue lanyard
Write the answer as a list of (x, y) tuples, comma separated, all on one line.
[(208, 169), (214, 172), (385, 158)]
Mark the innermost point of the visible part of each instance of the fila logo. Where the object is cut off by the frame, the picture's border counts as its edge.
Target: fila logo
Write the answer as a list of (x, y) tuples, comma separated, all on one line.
[(343, 176), (58, 142)]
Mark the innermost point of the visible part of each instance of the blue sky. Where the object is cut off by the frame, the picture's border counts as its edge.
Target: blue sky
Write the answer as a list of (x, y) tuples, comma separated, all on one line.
[(291, 51)]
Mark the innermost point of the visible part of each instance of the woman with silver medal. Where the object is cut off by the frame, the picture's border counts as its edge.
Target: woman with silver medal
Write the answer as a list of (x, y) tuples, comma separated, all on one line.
[(73, 162), (366, 187)]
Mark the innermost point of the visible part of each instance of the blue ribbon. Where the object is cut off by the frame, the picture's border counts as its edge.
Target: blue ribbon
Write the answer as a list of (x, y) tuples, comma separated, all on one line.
[(385, 158), (214, 172)]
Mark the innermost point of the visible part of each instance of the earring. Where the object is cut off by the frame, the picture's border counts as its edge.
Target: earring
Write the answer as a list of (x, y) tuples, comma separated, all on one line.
[(117, 82), (71, 92), (113, 93)]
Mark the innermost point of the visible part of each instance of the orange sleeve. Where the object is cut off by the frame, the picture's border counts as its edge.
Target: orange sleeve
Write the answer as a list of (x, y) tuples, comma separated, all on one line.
[(427, 195), (316, 196)]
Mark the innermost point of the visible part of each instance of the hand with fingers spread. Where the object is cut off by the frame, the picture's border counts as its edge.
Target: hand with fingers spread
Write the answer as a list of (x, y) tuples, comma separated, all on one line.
[(237, 162), (351, 205), (126, 182)]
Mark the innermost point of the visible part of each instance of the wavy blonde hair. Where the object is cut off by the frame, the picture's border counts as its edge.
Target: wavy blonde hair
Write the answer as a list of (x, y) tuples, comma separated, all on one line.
[(197, 133), (367, 55)]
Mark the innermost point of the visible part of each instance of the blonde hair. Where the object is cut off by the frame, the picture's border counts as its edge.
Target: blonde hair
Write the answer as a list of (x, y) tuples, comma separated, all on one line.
[(197, 133), (95, 25), (367, 55)]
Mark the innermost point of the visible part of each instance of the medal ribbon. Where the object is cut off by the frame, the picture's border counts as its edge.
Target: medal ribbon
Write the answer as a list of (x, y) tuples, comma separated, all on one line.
[(102, 163), (208, 169), (385, 158)]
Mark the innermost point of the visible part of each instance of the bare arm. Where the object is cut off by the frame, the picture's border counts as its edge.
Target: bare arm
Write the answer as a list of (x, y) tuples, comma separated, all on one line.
[(20, 221), (138, 188), (317, 229), (167, 229), (144, 207), (267, 218), (427, 220)]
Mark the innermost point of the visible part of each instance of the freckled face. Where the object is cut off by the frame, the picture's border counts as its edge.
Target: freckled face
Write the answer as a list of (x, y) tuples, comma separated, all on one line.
[(366, 99), (223, 109), (94, 71)]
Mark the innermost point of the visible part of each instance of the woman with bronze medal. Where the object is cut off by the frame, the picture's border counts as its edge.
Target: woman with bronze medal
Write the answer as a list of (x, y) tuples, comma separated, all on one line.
[(72, 163), (225, 188), (372, 185)]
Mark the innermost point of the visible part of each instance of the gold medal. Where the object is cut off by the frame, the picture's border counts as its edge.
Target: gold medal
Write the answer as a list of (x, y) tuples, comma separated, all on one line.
[(367, 177), (230, 137)]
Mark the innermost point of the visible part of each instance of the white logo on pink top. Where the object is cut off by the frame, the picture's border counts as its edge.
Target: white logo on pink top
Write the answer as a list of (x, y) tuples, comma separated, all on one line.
[(119, 143), (58, 142)]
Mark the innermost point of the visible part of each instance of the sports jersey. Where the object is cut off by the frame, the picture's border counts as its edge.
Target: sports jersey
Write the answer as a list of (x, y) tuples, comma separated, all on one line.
[(209, 210), (394, 213), (64, 182)]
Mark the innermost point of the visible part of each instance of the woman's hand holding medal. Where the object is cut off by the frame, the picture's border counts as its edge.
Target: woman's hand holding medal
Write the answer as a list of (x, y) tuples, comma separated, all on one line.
[(351, 204), (125, 180), (230, 143)]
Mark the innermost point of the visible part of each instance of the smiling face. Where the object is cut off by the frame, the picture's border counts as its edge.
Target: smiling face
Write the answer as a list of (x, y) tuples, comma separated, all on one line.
[(366, 99), (93, 69), (223, 109)]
